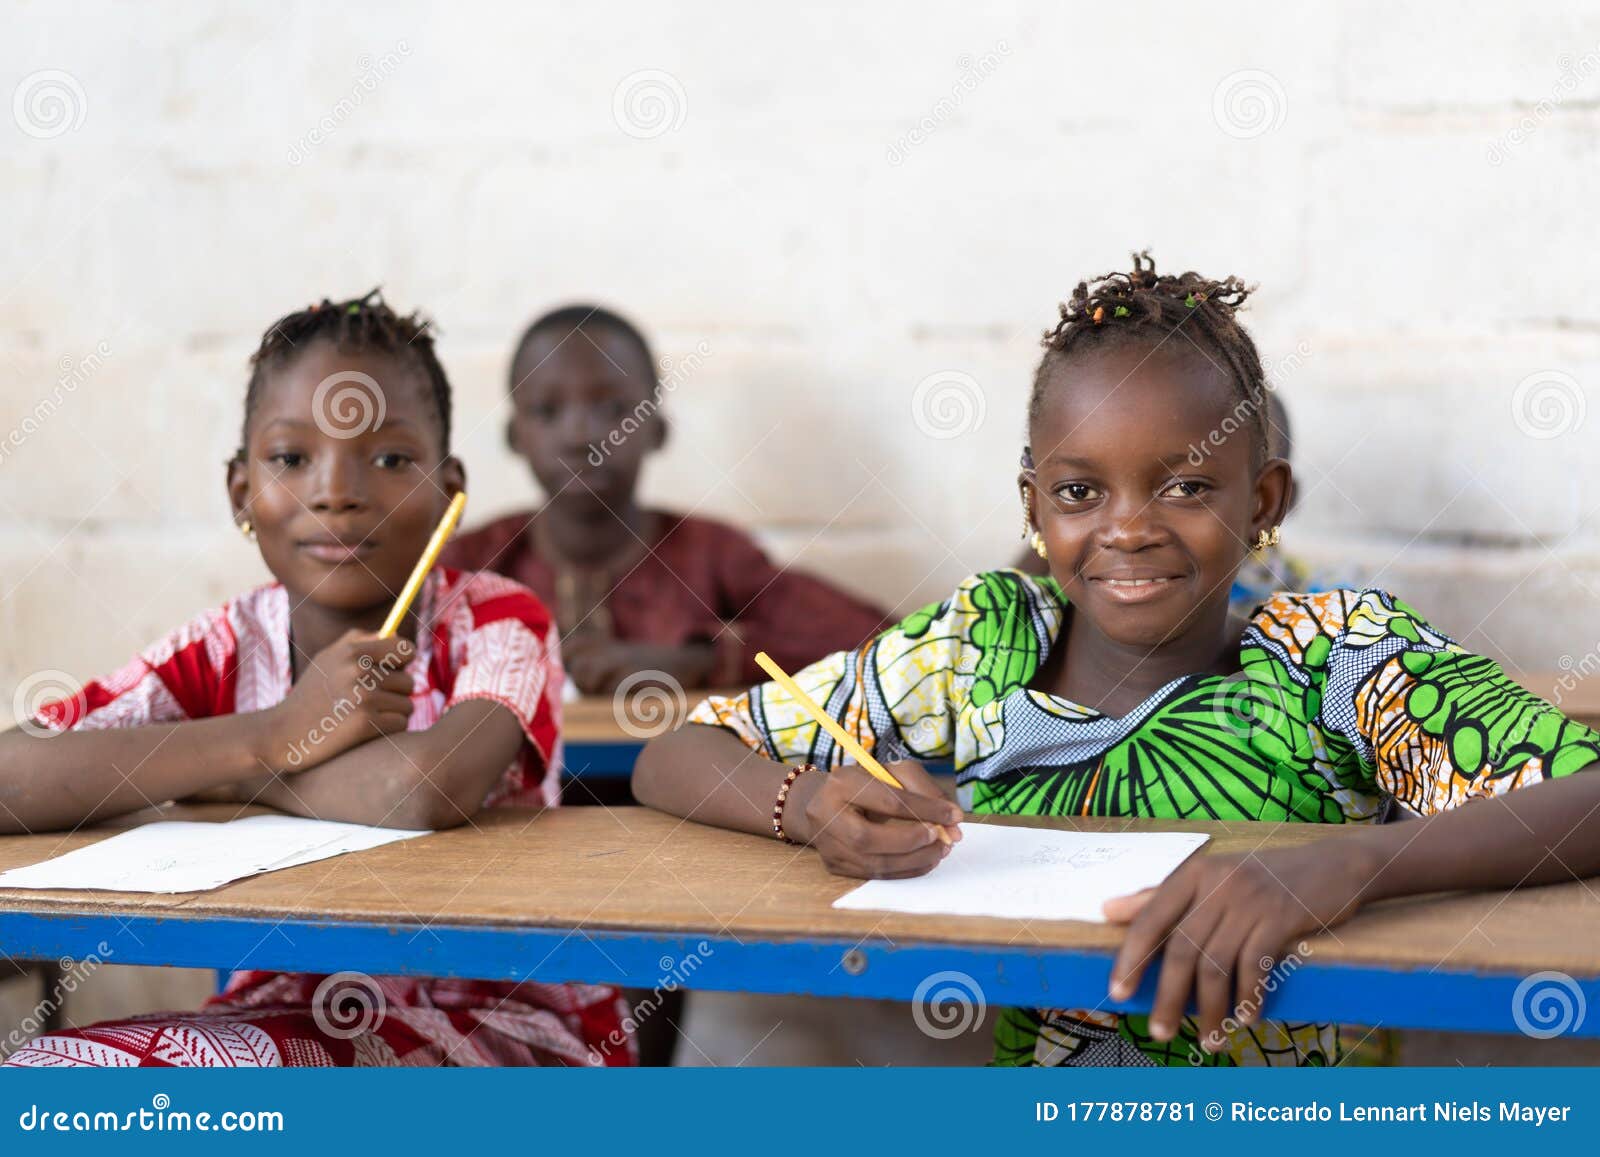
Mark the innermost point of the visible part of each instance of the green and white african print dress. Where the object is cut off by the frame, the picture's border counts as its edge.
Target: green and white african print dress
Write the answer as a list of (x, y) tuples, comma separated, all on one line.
[(1342, 698)]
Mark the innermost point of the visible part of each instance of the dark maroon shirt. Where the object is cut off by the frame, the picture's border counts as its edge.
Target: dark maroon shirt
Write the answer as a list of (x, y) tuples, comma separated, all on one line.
[(702, 581)]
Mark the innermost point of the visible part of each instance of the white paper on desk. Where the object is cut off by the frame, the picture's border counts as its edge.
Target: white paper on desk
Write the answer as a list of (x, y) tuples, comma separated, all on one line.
[(183, 856), (1031, 874)]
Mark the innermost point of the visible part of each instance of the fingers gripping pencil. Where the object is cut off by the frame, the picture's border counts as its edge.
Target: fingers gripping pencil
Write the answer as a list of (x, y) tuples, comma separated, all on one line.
[(845, 740)]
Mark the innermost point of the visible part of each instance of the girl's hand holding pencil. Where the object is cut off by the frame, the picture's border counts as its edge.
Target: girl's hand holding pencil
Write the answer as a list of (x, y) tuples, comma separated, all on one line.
[(862, 827), (866, 819), (354, 690)]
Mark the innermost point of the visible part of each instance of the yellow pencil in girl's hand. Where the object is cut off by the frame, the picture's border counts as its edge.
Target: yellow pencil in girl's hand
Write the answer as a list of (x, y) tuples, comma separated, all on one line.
[(827, 723), (430, 555)]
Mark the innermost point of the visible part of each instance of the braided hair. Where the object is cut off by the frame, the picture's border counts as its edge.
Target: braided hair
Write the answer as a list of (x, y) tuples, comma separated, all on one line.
[(1144, 307), (363, 324)]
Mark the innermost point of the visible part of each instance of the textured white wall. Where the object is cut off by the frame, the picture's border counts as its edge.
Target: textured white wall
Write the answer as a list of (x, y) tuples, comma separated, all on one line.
[(840, 203)]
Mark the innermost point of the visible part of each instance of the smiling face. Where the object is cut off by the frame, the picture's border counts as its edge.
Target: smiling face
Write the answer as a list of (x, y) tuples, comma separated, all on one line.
[(575, 413), (1143, 543), (341, 520)]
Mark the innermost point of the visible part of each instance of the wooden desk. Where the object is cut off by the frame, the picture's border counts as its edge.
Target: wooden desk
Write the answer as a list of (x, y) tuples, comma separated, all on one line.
[(631, 896)]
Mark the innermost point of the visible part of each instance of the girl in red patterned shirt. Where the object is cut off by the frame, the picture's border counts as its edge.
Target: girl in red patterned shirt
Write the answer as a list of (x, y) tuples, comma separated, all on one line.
[(287, 696)]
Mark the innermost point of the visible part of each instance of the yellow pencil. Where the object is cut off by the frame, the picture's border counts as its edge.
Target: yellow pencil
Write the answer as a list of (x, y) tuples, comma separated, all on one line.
[(844, 739), (430, 555)]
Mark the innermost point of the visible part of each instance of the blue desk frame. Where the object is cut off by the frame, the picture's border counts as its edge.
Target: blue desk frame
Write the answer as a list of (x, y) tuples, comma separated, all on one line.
[(1026, 976), (600, 760)]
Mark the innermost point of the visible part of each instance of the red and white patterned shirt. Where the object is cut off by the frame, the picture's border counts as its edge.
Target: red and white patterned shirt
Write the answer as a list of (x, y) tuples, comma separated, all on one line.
[(483, 637)]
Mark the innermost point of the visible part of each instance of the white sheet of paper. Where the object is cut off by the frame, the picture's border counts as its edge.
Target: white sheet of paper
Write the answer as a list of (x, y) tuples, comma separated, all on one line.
[(1031, 874), (183, 856)]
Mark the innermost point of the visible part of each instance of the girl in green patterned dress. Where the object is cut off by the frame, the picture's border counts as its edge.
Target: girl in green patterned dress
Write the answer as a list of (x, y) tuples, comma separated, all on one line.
[(1119, 685)]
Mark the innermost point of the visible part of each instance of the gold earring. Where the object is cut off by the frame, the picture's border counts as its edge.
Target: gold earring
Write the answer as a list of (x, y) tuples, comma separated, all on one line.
[(246, 529), (1264, 540), (1036, 540), (1275, 535)]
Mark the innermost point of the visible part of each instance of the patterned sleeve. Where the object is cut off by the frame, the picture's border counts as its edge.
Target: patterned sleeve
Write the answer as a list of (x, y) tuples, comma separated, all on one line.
[(1432, 724), (900, 694), (509, 653), (187, 675)]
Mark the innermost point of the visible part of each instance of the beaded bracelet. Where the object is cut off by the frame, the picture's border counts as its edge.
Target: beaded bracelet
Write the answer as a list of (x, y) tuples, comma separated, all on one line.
[(783, 798)]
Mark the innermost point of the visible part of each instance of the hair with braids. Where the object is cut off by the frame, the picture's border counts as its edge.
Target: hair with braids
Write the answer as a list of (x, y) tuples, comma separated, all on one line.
[(571, 318), (1144, 307), (363, 324)]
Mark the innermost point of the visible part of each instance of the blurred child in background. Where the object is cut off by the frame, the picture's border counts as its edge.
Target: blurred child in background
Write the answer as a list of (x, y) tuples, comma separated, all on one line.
[(633, 588)]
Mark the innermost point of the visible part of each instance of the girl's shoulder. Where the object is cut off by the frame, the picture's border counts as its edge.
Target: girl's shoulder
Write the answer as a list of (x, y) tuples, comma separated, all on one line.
[(1005, 592), (469, 600), (219, 632), (1308, 626), (997, 611)]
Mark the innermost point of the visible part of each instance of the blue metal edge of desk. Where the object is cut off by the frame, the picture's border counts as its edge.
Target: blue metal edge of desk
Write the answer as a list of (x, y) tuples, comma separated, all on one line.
[(1394, 997)]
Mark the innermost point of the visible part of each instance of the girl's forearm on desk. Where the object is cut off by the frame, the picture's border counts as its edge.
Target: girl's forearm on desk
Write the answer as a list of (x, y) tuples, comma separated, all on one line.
[(414, 780), (705, 774), (1544, 834), (49, 782)]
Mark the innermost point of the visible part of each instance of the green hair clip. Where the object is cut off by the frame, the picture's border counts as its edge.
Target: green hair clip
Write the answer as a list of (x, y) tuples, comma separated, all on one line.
[(1191, 301), (1121, 311)]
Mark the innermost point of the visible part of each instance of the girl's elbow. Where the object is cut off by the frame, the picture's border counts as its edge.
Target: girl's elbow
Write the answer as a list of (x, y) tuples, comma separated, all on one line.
[(430, 809), (442, 817), (645, 781), (439, 799)]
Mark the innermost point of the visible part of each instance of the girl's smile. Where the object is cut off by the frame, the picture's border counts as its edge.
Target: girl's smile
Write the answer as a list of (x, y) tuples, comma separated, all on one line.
[(340, 550), (1128, 588)]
